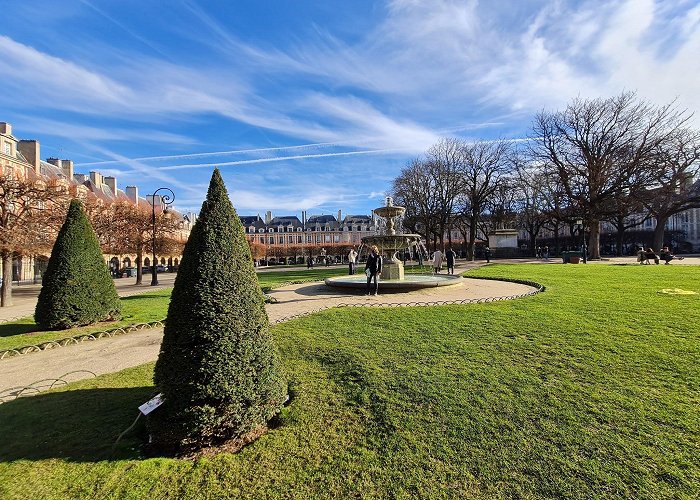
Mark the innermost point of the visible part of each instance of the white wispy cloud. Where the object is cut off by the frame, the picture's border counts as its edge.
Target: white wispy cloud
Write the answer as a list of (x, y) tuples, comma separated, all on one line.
[(71, 130)]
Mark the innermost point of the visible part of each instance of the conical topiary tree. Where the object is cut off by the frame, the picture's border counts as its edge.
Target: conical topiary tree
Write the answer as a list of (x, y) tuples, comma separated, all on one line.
[(217, 369), (77, 288)]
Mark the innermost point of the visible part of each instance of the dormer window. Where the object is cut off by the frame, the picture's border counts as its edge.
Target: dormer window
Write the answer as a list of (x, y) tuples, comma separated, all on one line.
[(261, 230), (271, 230)]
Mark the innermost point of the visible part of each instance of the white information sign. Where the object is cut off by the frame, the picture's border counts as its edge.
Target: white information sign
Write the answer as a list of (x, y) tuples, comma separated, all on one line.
[(151, 404)]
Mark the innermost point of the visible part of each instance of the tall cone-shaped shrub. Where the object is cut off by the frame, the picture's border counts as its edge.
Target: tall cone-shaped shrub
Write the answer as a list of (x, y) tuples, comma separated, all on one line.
[(77, 288), (217, 368)]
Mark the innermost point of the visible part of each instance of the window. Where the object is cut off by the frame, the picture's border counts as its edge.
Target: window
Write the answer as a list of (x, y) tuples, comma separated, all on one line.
[(336, 238), (7, 148), (261, 230), (281, 240), (298, 228), (299, 239), (272, 240), (271, 230)]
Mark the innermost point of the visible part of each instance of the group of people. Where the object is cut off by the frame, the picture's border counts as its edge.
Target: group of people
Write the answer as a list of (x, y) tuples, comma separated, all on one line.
[(449, 258), (645, 256), (373, 266)]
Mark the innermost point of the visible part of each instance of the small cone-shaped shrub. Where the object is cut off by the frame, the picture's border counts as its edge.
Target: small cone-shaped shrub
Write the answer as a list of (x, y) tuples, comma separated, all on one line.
[(217, 369), (77, 288)]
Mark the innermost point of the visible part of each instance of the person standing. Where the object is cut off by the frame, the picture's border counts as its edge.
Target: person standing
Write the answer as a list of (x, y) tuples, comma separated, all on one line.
[(450, 255), (437, 261), (487, 254), (352, 260), (373, 268)]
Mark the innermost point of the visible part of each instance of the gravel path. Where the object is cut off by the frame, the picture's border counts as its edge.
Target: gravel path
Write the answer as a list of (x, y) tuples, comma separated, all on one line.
[(113, 354)]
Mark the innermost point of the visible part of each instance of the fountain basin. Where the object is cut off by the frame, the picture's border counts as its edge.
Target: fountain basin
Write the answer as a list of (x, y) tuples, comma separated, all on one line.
[(410, 282)]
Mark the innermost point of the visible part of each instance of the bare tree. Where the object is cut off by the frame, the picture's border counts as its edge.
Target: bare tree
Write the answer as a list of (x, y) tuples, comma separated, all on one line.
[(531, 188), (414, 189), (601, 149), (444, 161), (483, 168), (677, 164)]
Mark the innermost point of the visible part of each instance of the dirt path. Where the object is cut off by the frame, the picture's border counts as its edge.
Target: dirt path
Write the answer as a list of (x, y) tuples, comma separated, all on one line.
[(113, 354)]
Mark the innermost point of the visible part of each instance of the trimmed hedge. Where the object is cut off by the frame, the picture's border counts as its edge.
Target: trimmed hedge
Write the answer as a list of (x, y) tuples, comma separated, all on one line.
[(77, 288), (217, 368)]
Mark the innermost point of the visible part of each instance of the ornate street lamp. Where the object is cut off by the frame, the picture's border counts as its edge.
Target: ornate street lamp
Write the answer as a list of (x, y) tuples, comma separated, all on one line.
[(581, 229), (165, 201)]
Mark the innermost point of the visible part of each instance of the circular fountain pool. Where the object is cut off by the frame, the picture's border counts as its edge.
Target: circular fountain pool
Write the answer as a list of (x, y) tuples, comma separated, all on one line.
[(409, 282)]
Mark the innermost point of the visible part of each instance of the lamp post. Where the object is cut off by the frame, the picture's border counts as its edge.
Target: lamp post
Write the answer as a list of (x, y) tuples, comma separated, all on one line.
[(165, 200), (581, 229)]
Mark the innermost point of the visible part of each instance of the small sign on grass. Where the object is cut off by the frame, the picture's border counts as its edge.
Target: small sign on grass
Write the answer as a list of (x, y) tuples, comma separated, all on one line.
[(151, 404)]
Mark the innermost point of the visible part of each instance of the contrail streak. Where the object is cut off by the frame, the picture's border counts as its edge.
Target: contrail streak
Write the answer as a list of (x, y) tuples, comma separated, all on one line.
[(214, 153)]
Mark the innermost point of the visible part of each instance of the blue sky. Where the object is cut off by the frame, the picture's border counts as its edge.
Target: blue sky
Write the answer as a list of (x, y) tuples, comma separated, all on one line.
[(317, 105)]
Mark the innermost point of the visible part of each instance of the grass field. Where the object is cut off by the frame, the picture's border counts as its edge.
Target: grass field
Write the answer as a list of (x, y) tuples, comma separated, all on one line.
[(590, 389), (142, 308)]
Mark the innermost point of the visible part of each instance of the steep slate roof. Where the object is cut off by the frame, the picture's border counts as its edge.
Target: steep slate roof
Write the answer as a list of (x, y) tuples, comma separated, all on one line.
[(321, 219), (286, 220)]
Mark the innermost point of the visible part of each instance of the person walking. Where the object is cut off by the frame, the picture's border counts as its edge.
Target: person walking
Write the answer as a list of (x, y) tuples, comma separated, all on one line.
[(437, 261), (450, 255), (352, 260), (373, 269)]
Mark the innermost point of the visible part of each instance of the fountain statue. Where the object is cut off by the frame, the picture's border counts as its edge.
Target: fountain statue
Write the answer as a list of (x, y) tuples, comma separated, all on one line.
[(389, 244)]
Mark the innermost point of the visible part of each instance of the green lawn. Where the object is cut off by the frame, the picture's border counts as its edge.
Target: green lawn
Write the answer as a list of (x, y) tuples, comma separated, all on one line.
[(590, 389), (142, 308)]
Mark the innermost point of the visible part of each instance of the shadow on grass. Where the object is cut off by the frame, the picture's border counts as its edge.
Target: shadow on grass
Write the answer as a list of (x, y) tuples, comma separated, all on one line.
[(142, 297), (77, 425), (12, 329)]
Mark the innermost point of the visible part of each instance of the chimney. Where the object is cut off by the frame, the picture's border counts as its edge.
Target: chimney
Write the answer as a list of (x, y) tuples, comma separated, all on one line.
[(31, 151), (339, 213), (133, 193), (96, 178), (303, 218), (5, 128), (268, 217), (79, 178), (112, 183), (67, 167)]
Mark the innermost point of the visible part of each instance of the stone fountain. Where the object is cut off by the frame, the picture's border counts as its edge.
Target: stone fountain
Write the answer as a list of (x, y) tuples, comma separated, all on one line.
[(389, 244)]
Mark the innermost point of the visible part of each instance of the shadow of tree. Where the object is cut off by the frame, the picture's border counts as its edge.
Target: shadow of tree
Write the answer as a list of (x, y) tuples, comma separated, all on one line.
[(75, 425), (11, 329)]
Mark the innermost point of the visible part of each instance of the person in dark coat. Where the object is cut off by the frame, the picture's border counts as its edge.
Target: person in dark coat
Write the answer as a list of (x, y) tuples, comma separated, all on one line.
[(450, 255), (373, 268)]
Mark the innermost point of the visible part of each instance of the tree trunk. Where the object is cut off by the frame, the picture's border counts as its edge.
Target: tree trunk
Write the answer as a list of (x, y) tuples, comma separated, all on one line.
[(6, 289), (472, 242), (659, 232), (139, 266), (594, 240)]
